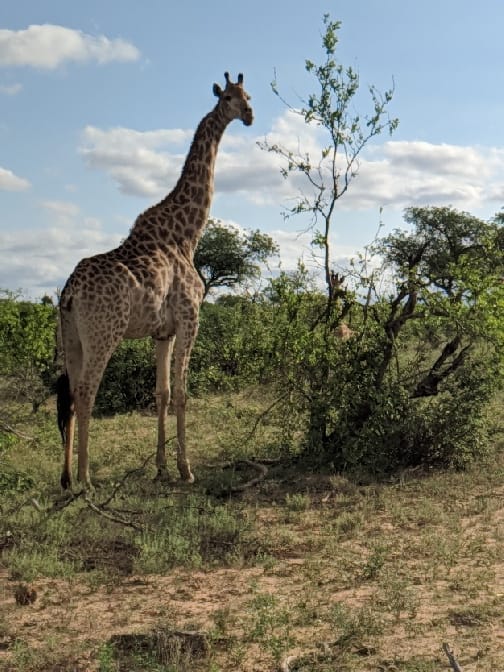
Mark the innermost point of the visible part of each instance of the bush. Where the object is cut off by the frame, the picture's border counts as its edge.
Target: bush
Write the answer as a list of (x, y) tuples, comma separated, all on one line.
[(11, 480), (234, 345), (233, 349), (129, 382), (27, 348), (412, 385)]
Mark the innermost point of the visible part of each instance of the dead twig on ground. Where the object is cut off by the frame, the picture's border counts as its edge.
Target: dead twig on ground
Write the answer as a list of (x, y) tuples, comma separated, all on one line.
[(9, 429), (123, 480), (61, 504), (263, 472), (286, 663), (453, 661), (258, 466), (109, 516)]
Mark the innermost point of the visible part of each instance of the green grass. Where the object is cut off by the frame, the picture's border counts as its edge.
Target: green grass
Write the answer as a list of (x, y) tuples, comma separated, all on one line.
[(349, 576)]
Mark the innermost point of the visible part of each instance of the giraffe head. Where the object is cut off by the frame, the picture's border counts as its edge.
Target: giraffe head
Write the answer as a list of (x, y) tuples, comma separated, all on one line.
[(234, 100)]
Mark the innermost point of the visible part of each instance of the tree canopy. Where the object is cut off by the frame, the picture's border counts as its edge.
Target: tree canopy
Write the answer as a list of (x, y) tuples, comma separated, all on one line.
[(227, 257)]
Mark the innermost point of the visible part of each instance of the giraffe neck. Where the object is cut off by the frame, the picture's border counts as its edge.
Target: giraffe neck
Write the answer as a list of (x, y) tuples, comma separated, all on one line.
[(181, 216), (195, 187)]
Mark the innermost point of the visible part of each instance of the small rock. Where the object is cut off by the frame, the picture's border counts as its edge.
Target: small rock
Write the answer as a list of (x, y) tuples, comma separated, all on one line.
[(25, 594)]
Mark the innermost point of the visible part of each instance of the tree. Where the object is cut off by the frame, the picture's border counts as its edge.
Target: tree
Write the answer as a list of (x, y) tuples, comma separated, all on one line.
[(346, 135), (226, 257), (412, 385), (448, 270)]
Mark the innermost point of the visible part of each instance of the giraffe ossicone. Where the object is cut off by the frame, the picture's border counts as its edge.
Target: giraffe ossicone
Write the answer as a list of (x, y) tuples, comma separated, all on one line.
[(148, 286)]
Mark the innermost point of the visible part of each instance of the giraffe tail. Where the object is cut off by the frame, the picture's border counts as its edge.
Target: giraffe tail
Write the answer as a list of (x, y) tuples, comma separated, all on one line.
[(64, 403)]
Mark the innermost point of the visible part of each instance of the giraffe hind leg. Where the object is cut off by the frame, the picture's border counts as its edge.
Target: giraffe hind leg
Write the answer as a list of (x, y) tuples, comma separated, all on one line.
[(91, 373), (66, 425)]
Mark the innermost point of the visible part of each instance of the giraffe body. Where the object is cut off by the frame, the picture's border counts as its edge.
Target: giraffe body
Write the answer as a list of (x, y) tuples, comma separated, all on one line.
[(148, 286)]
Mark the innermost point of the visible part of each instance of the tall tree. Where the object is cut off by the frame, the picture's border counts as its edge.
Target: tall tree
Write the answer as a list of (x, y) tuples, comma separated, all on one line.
[(346, 132), (226, 257)]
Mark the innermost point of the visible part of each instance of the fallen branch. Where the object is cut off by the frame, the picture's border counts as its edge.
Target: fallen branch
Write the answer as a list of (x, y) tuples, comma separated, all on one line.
[(8, 429), (25, 502), (109, 516), (453, 661), (286, 663), (129, 473), (261, 468), (35, 503), (61, 504)]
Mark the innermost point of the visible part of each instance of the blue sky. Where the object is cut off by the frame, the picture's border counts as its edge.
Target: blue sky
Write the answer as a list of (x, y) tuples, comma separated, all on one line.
[(99, 100)]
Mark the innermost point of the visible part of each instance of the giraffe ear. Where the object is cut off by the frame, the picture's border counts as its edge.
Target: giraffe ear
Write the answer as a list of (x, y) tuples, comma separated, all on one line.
[(217, 90)]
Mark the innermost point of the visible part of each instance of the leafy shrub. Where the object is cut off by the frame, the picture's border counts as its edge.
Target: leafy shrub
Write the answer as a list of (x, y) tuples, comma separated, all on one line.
[(130, 379), (234, 345), (27, 348), (412, 385), (11, 480)]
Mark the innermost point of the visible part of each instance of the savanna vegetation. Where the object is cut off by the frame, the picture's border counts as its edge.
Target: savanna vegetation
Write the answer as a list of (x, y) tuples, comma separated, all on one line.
[(348, 509)]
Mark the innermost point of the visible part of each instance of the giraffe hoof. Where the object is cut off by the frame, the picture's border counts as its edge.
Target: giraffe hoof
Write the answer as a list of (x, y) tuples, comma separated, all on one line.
[(187, 478), (66, 480), (162, 476)]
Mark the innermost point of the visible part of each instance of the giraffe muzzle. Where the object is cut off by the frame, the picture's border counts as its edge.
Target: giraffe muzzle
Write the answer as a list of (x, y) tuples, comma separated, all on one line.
[(248, 117)]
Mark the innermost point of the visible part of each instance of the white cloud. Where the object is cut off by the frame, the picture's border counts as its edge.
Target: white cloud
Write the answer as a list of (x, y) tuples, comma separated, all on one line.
[(63, 209), (11, 182), (149, 163), (289, 130), (38, 261), (400, 174), (423, 157), (49, 46), (394, 174), (397, 173), (10, 89), (136, 160), (296, 246), (127, 139)]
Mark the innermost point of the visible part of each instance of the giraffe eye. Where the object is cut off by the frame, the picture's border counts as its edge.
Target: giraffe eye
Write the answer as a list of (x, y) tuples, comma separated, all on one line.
[(227, 97)]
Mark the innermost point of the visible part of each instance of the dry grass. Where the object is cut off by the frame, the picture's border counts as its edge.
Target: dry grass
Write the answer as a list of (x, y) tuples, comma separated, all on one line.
[(338, 575)]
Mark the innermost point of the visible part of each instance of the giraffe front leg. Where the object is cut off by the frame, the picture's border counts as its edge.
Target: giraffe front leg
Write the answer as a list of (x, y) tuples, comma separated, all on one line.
[(182, 355), (182, 462), (163, 361)]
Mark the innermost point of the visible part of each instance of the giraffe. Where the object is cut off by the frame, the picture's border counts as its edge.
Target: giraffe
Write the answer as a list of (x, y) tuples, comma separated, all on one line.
[(148, 286), (342, 332)]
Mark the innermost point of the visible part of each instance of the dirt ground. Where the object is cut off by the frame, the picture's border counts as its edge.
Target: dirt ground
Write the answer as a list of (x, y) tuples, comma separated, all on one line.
[(88, 615)]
